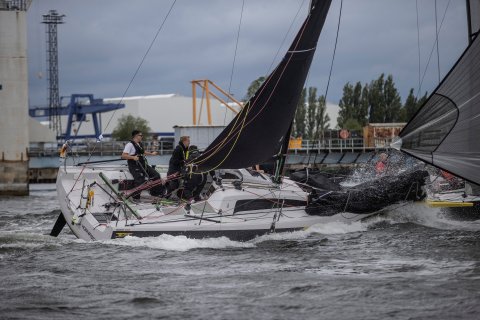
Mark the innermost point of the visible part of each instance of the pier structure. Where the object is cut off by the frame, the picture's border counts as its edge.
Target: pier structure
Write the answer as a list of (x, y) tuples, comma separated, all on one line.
[(13, 97)]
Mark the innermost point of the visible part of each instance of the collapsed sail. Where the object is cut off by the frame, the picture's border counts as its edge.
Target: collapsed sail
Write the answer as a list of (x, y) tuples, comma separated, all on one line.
[(257, 133), (445, 132)]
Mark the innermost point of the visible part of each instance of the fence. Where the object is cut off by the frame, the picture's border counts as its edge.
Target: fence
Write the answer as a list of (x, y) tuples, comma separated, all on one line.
[(334, 145), (103, 148)]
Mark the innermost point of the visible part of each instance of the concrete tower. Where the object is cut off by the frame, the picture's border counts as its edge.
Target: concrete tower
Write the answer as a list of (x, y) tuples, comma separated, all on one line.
[(13, 97)]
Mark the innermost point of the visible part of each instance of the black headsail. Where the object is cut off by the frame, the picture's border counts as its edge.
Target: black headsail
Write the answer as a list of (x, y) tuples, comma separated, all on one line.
[(258, 132), (445, 132)]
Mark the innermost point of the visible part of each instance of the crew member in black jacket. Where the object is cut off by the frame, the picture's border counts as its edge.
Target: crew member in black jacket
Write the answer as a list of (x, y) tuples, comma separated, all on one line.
[(177, 161), (135, 154)]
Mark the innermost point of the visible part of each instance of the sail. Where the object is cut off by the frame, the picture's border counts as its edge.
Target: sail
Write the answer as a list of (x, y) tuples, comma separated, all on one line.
[(257, 133), (445, 131)]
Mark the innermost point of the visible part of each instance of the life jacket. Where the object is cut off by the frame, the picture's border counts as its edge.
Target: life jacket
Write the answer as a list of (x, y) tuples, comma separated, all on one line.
[(447, 175), (178, 159), (380, 167), (140, 152)]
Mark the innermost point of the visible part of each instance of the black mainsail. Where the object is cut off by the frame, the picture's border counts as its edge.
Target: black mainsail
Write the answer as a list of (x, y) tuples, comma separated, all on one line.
[(257, 133), (445, 131)]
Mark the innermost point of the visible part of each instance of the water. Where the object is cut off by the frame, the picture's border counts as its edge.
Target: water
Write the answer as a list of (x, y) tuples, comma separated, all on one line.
[(412, 263)]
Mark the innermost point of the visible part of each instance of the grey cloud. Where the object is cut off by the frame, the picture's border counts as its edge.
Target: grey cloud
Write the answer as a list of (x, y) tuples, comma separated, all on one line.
[(102, 43)]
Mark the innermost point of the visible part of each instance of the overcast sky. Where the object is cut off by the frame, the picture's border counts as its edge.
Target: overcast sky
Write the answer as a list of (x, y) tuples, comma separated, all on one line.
[(102, 43)]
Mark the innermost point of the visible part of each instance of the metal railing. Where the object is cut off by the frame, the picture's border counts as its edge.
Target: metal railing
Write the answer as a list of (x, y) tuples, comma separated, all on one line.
[(104, 148), (332, 145)]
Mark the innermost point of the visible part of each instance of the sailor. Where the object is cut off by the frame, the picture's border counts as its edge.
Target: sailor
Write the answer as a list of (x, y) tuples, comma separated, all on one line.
[(194, 181), (177, 161), (138, 166), (381, 165)]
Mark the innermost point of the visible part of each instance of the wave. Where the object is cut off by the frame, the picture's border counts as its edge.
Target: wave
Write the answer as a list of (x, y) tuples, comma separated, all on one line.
[(178, 243), (393, 267), (335, 227), (420, 213)]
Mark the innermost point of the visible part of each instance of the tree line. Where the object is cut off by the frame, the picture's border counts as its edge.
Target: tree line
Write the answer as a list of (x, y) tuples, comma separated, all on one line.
[(374, 102)]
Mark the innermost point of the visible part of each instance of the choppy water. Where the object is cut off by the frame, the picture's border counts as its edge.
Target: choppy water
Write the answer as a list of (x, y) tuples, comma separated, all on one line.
[(413, 263)]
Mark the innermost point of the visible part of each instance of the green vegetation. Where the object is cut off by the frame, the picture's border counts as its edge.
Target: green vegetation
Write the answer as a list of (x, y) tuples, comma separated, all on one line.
[(376, 102), (128, 123), (254, 86)]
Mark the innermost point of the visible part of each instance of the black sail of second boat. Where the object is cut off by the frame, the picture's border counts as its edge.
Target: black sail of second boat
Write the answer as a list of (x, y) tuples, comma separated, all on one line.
[(258, 132), (445, 132)]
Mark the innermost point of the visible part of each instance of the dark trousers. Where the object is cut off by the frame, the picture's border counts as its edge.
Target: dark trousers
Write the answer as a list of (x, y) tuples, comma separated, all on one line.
[(141, 174), (193, 185), (172, 185)]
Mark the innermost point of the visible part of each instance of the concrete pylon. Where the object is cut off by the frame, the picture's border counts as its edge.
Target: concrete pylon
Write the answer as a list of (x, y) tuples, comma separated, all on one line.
[(13, 98)]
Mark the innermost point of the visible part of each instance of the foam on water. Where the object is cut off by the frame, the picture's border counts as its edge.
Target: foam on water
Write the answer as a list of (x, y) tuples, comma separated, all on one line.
[(182, 243), (281, 236), (178, 243), (421, 214), (337, 227)]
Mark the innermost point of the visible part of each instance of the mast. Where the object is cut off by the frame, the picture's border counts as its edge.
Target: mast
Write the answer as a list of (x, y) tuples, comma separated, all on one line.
[(473, 18)]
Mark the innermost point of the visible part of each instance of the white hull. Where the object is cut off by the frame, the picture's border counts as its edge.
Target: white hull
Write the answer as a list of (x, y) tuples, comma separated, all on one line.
[(258, 207)]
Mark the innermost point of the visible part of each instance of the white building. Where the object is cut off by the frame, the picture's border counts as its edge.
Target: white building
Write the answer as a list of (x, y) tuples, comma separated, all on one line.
[(162, 112)]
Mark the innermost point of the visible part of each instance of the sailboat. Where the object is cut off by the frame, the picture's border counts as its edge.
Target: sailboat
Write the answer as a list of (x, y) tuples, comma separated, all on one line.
[(445, 130), (238, 203)]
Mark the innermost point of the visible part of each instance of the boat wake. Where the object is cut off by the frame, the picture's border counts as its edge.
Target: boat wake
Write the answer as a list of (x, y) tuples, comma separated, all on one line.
[(182, 243), (178, 243), (421, 214)]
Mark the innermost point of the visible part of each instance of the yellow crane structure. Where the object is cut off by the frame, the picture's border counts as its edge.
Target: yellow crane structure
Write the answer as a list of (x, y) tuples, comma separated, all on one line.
[(211, 90)]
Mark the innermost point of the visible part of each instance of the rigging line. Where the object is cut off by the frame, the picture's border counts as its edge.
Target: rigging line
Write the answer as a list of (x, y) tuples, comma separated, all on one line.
[(438, 50), (234, 59), (418, 44), (433, 48), (229, 138), (128, 87), (334, 51), (285, 37), (143, 59), (221, 144)]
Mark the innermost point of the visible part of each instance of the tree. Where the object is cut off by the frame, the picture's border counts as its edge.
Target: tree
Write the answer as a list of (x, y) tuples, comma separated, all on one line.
[(299, 120), (128, 123), (312, 106), (393, 102), (253, 88), (364, 107), (352, 125), (411, 106), (353, 105), (346, 105), (377, 100), (323, 120)]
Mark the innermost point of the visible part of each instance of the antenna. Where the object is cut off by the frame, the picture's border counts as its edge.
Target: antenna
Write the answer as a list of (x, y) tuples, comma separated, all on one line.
[(51, 20)]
